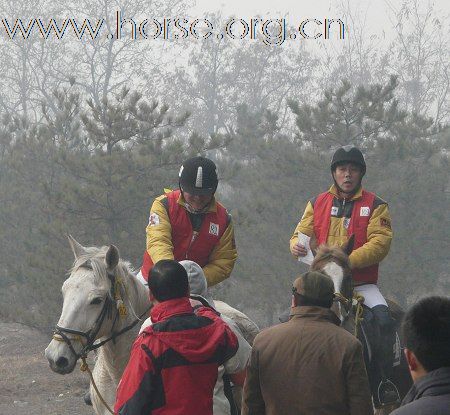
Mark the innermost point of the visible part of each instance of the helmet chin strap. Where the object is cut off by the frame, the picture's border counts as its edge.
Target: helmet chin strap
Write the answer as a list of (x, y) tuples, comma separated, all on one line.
[(192, 210)]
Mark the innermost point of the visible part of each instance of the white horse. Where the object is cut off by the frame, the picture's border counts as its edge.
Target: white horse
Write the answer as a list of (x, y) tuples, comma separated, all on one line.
[(99, 286), (248, 327), (102, 298)]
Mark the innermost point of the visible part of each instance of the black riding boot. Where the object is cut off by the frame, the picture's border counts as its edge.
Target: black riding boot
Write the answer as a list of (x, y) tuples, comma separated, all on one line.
[(387, 391)]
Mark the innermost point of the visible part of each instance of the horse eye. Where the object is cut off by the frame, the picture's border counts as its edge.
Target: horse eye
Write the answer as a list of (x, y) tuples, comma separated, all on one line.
[(97, 300)]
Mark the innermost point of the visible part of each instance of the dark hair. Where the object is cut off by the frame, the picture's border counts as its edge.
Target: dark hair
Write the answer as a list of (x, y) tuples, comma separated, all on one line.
[(168, 280), (426, 331), (303, 300), (314, 288)]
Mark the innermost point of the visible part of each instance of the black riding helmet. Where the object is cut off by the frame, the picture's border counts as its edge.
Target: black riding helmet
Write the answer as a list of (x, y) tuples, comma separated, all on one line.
[(198, 176), (348, 154)]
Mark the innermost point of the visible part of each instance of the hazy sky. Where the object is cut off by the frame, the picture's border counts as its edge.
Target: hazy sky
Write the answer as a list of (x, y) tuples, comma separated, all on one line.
[(375, 12), (376, 9)]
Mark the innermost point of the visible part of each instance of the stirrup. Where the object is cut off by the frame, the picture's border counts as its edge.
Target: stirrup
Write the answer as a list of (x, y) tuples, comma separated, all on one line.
[(388, 393)]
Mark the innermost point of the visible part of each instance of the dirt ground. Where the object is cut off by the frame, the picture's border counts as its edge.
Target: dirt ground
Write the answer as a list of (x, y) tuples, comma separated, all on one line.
[(27, 385)]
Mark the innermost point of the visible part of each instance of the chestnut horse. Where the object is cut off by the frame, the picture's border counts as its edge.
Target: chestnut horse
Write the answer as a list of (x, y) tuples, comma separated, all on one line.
[(334, 261)]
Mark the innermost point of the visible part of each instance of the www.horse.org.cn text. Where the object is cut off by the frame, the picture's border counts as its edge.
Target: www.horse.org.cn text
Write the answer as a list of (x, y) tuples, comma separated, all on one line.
[(269, 31)]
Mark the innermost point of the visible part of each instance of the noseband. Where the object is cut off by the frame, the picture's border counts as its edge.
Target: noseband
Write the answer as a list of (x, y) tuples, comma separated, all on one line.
[(61, 333), (117, 293)]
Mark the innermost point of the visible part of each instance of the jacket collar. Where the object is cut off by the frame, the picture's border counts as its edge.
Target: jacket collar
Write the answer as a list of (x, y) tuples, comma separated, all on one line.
[(334, 192), (212, 205), (434, 383), (170, 308), (314, 313)]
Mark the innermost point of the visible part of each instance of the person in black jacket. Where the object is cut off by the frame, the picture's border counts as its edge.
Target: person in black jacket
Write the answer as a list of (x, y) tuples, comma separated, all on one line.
[(426, 330)]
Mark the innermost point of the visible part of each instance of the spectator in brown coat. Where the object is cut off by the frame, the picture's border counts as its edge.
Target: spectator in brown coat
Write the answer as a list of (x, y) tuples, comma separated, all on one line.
[(308, 365)]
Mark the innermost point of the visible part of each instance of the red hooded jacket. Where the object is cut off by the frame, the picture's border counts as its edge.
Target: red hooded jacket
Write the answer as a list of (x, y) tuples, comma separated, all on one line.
[(173, 364)]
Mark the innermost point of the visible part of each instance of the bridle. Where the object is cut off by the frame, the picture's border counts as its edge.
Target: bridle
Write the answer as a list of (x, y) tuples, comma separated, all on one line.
[(115, 297), (357, 301), (62, 333)]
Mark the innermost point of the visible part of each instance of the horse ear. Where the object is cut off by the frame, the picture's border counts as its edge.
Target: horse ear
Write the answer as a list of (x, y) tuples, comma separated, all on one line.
[(76, 247), (112, 258), (313, 244), (348, 246)]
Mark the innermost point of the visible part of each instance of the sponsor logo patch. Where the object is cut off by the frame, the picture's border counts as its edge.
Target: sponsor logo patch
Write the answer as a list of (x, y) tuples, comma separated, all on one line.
[(334, 211), (346, 223), (213, 229), (386, 223), (153, 219), (364, 211)]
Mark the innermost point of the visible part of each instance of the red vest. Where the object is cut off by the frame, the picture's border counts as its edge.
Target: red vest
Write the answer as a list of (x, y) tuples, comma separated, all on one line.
[(358, 226), (186, 245)]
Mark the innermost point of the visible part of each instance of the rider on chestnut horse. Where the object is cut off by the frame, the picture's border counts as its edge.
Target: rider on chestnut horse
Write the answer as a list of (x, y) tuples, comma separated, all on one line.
[(333, 216)]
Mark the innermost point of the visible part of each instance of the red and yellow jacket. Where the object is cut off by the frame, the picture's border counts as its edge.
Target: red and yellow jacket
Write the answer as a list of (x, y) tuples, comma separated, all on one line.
[(171, 235), (173, 363), (332, 220)]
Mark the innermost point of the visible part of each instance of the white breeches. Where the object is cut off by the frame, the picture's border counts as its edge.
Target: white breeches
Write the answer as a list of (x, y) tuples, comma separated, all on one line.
[(141, 279), (371, 294)]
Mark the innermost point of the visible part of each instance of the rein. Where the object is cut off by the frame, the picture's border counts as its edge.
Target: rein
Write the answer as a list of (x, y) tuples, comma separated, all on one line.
[(85, 368), (90, 345), (357, 301), (60, 333), (117, 292)]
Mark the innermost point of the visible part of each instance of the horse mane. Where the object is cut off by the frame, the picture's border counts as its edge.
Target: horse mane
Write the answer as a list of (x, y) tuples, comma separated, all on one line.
[(94, 258), (325, 252)]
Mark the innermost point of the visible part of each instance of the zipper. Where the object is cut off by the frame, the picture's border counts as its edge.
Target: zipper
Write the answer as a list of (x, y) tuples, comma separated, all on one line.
[(193, 238)]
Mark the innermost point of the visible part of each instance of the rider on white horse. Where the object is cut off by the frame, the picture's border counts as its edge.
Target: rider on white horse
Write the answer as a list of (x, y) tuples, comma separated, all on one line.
[(347, 209)]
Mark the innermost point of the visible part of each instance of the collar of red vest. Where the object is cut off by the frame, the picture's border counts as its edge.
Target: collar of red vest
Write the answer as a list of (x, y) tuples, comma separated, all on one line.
[(212, 206), (170, 308), (334, 192)]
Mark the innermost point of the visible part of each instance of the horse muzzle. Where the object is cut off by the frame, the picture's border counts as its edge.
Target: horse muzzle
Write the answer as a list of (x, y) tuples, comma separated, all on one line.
[(60, 358)]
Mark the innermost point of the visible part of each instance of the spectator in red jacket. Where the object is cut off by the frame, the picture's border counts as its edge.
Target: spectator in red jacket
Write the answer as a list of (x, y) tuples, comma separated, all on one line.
[(173, 363)]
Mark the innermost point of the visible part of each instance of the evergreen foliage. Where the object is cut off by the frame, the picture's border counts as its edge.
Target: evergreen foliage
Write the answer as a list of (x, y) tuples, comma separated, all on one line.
[(92, 171)]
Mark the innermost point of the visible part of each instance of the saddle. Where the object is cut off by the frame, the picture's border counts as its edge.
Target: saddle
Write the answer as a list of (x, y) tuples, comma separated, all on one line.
[(383, 390), (367, 335)]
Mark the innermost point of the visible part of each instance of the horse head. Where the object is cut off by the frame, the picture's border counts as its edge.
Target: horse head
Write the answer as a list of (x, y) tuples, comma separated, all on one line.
[(334, 261), (95, 295)]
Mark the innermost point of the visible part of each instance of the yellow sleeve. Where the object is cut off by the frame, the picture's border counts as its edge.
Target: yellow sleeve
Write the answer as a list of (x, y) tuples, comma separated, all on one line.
[(379, 237), (159, 232), (222, 258), (306, 224)]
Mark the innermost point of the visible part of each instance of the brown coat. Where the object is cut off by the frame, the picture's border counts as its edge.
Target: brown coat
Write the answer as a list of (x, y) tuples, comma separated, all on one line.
[(307, 366)]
